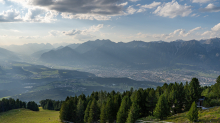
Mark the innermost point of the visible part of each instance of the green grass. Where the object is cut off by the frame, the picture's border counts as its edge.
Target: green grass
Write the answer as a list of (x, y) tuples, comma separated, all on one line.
[(212, 114), (20, 64), (5, 97), (48, 73), (28, 116)]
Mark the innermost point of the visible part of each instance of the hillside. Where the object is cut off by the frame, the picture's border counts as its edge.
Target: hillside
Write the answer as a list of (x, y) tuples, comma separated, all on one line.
[(208, 115), (7, 55), (50, 116), (35, 82), (205, 116), (28, 49), (28, 116), (137, 54)]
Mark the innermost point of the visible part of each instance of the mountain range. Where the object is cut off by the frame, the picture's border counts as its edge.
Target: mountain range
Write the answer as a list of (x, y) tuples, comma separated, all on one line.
[(203, 54)]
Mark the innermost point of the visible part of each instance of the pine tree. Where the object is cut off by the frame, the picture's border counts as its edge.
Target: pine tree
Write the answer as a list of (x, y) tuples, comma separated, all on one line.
[(218, 79), (72, 110), (193, 113), (151, 100), (80, 110), (123, 110), (86, 114), (193, 93), (64, 112), (93, 112), (117, 103), (162, 109), (133, 114), (103, 115), (110, 110)]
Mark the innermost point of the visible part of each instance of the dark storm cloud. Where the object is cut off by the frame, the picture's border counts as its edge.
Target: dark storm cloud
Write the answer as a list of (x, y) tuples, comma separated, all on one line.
[(100, 7)]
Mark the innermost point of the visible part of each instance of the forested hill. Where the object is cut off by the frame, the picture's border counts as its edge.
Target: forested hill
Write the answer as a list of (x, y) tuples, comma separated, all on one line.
[(138, 54)]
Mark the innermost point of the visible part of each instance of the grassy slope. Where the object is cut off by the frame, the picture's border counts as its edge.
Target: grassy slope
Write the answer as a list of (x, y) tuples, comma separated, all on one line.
[(28, 116), (212, 114)]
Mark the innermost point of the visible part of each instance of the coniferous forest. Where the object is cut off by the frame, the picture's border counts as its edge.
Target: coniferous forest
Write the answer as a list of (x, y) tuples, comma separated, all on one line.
[(131, 105), (9, 104), (128, 106)]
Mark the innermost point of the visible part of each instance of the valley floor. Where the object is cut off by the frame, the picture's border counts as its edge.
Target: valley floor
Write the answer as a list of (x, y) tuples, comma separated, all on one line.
[(28, 116)]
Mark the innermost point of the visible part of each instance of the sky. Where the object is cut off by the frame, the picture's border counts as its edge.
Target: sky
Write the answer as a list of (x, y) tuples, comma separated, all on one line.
[(78, 21)]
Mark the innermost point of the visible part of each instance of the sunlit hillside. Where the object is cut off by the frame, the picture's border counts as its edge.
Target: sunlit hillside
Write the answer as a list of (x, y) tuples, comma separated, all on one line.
[(28, 116)]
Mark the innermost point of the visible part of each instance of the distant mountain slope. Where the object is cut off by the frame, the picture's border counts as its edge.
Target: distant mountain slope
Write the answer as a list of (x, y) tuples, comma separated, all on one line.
[(63, 56), (140, 54), (28, 49), (73, 46), (39, 53), (7, 55)]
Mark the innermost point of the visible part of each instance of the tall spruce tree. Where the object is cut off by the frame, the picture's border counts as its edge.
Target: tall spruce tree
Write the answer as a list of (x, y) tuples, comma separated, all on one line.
[(110, 110), (151, 100), (133, 114), (86, 114), (103, 115), (162, 109), (80, 111), (64, 112), (216, 87), (193, 113), (122, 114), (93, 112), (193, 93)]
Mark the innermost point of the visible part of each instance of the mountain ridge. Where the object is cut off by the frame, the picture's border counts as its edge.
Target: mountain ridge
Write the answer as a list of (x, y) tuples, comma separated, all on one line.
[(135, 53)]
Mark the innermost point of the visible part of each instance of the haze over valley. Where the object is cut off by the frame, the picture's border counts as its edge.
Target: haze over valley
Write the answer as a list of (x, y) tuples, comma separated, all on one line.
[(30, 70), (58, 48)]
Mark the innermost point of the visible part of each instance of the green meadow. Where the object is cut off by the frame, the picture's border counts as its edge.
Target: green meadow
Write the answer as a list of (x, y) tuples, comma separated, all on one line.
[(28, 116), (208, 115), (48, 116)]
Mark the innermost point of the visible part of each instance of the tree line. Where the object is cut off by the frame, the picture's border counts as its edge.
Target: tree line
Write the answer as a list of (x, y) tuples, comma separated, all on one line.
[(9, 104), (51, 104), (129, 106)]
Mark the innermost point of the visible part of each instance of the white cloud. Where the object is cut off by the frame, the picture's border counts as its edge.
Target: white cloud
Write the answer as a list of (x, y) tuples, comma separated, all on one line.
[(75, 32), (33, 15), (123, 4), (85, 16), (55, 33), (148, 6), (216, 28), (191, 31), (131, 10), (28, 37), (200, 1), (134, 0), (10, 16), (40, 15), (171, 35), (173, 9), (2, 1), (214, 32), (206, 33), (193, 15), (141, 10), (211, 8), (176, 34), (152, 5)]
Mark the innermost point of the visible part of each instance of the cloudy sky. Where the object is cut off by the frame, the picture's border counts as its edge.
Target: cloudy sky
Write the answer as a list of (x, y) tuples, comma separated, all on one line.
[(77, 21)]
